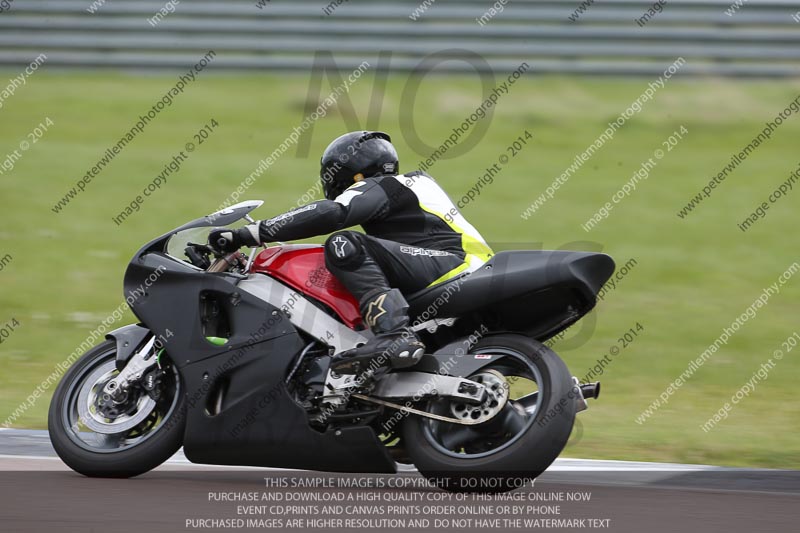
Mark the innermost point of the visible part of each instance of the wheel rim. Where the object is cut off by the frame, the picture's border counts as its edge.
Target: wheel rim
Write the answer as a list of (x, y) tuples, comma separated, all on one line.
[(89, 395), (138, 419), (502, 429), (497, 391)]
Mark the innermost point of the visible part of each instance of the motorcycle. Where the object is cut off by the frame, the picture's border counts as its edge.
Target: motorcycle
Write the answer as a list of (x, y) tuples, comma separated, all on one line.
[(230, 359)]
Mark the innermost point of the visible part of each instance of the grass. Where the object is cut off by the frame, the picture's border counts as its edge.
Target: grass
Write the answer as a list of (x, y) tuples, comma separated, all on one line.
[(692, 277)]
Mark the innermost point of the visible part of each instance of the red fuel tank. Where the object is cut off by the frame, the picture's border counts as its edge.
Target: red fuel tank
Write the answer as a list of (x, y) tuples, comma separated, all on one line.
[(302, 267)]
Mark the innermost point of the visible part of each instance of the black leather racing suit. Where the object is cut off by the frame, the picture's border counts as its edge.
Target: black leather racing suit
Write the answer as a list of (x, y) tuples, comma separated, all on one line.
[(415, 238)]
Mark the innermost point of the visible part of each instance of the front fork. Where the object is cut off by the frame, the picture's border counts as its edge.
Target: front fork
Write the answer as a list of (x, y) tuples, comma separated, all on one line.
[(132, 364)]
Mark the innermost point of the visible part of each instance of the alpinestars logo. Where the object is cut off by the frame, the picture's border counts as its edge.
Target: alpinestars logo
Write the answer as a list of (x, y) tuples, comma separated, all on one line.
[(339, 244), (411, 250), (375, 310), (290, 214)]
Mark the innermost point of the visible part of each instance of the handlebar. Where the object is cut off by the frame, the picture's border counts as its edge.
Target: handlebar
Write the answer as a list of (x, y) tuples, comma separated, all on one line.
[(222, 264)]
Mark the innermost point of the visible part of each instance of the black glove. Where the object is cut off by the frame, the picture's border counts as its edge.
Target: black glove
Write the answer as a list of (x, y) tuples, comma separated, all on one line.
[(225, 240)]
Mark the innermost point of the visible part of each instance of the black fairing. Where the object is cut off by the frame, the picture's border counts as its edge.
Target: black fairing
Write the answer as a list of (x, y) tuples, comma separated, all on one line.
[(239, 412), (128, 339), (537, 293)]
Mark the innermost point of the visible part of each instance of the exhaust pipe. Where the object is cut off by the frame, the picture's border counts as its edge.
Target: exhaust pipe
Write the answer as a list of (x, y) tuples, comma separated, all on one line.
[(587, 391), (591, 390)]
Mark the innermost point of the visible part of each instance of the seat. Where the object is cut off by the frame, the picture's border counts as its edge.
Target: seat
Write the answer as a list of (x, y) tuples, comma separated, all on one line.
[(551, 282)]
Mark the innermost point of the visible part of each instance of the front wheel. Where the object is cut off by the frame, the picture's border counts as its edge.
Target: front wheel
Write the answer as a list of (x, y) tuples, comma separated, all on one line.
[(526, 425), (99, 437)]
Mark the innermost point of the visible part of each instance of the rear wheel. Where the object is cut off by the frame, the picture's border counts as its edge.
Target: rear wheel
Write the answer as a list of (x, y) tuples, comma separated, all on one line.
[(101, 438), (516, 434)]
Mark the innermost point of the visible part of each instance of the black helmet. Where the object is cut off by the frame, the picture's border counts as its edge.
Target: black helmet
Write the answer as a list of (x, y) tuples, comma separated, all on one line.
[(369, 153)]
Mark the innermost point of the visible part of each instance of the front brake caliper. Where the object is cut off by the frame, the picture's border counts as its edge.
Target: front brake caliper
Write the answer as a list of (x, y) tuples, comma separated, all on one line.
[(151, 382), (133, 371)]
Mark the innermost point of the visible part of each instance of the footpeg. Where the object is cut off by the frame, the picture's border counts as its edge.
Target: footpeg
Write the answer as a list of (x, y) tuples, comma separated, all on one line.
[(407, 358), (387, 350)]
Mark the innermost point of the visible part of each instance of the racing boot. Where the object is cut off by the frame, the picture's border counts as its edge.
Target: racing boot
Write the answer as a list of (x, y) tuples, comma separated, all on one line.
[(393, 346)]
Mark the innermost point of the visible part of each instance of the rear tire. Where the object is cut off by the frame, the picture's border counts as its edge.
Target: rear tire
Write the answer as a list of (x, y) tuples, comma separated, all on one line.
[(524, 458), (164, 440)]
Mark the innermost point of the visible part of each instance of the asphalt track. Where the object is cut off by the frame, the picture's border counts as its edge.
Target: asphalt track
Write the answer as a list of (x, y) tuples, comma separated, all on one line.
[(40, 494)]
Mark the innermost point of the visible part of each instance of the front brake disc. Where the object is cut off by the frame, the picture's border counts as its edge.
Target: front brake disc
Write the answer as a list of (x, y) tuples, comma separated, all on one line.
[(94, 420)]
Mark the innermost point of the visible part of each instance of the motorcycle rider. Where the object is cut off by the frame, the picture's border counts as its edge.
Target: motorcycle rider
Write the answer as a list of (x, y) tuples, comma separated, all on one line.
[(415, 238)]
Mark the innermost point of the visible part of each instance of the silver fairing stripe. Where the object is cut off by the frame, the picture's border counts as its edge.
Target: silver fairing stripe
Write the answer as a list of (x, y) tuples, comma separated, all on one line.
[(303, 314)]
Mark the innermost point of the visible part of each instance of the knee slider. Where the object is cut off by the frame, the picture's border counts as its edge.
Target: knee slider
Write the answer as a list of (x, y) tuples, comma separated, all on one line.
[(345, 250)]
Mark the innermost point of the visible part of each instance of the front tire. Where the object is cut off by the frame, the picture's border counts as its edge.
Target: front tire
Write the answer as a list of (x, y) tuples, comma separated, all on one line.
[(495, 461), (125, 454)]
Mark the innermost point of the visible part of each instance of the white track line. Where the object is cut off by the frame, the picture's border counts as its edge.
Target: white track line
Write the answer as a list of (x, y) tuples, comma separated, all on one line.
[(604, 465), (560, 465), (35, 457)]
